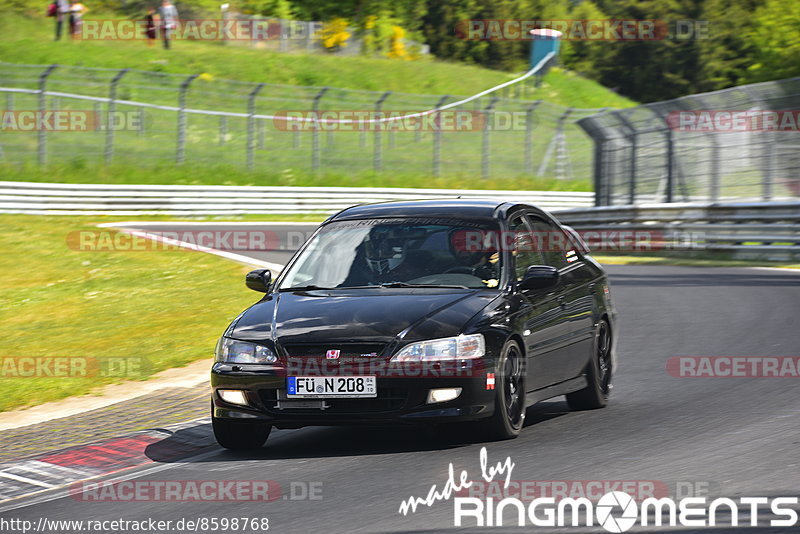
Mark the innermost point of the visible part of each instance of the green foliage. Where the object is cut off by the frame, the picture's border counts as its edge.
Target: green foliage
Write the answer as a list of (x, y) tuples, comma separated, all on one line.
[(775, 41)]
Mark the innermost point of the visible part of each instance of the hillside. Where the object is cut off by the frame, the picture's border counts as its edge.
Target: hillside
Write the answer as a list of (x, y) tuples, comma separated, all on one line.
[(29, 40)]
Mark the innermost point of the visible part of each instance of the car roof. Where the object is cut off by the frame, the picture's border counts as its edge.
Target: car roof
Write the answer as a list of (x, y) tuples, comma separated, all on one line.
[(459, 208)]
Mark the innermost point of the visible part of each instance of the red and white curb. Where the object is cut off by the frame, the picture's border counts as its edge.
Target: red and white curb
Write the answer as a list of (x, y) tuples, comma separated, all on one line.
[(59, 469)]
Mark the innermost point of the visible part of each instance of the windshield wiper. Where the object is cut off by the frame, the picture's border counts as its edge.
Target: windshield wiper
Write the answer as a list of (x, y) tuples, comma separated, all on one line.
[(312, 287), (309, 287), (406, 284)]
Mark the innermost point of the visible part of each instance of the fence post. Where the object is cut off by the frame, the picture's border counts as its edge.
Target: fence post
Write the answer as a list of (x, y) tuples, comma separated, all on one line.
[(486, 129), (251, 125), (600, 192), (112, 98), (631, 129), (181, 148), (315, 131), (377, 162), (529, 136), (767, 166), (42, 151), (670, 166), (437, 138), (10, 101)]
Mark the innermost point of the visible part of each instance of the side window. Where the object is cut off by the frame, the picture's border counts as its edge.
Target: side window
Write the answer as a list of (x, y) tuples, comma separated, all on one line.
[(524, 249), (557, 247)]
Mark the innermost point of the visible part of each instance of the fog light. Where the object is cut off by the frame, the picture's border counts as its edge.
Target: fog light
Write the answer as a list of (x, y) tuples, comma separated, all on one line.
[(233, 396), (443, 395)]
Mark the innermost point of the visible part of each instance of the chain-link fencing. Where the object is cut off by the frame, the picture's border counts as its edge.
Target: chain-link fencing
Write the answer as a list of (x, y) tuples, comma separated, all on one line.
[(150, 119), (741, 143)]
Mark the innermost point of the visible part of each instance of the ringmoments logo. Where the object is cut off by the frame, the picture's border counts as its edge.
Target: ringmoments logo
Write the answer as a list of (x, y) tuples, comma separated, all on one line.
[(614, 511)]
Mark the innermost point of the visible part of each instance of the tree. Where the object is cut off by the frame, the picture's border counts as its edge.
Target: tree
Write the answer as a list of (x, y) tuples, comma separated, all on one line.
[(774, 42)]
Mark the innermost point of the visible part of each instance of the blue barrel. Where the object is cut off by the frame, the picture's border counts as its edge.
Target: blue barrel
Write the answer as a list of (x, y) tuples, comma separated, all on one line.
[(543, 42)]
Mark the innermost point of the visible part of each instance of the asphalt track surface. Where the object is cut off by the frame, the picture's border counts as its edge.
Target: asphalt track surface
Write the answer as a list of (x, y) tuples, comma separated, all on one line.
[(735, 436)]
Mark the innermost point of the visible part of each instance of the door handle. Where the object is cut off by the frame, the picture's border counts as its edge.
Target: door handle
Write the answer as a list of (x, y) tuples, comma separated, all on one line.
[(562, 302)]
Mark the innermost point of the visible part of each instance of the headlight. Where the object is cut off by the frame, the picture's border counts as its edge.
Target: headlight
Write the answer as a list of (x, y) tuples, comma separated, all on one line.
[(233, 351), (450, 348)]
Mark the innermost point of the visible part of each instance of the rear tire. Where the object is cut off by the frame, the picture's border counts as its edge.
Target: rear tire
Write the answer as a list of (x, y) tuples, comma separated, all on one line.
[(509, 406), (598, 373), (240, 435)]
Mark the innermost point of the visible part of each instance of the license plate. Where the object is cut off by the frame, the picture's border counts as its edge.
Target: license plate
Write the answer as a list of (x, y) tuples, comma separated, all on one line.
[(299, 387)]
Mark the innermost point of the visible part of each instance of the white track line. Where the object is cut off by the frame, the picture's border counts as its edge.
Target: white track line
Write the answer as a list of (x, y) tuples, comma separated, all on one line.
[(26, 480), (247, 260), (205, 223), (52, 494)]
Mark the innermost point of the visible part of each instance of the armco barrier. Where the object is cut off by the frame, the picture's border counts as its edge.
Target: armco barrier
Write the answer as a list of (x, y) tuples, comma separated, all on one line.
[(94, 199), (757, 230)]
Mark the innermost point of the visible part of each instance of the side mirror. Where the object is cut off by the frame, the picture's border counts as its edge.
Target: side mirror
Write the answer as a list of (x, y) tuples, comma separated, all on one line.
[(539, 277), (258, 280)]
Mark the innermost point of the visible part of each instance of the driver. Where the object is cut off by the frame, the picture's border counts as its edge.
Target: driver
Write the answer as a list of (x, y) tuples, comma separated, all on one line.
[(386, 255), (479, 259)]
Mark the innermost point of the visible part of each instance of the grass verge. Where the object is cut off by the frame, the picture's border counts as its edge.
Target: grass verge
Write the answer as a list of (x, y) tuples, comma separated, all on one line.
[(194, 174), (158, 310)]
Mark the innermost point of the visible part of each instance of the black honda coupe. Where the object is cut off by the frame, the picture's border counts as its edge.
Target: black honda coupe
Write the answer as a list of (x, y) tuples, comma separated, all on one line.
[(418, 312)]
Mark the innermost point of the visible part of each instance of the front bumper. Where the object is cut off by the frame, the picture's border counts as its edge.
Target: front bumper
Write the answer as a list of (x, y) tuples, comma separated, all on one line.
[(400, 399)]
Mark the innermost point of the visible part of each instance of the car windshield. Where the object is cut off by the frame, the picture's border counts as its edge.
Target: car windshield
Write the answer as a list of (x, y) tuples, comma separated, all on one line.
[(398, 253)]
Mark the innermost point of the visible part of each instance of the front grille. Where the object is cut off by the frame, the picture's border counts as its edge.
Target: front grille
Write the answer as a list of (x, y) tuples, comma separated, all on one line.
[(388, 400), (347, 350)]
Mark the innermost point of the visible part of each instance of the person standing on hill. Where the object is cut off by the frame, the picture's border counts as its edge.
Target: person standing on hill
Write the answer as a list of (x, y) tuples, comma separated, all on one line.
[(59, 9), (76, 12), (169, 20), (150, 26)]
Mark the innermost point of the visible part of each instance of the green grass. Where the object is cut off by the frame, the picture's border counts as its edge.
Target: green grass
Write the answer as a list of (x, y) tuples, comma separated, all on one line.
[(221, 175), (706, 260), (166, 308), (30, 40)]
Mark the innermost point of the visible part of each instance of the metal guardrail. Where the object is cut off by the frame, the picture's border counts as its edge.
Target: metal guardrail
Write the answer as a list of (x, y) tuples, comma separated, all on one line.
[(752, 230), (95, 199)]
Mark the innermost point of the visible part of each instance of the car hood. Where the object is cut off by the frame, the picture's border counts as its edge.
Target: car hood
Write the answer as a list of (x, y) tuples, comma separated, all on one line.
[(375, 315)]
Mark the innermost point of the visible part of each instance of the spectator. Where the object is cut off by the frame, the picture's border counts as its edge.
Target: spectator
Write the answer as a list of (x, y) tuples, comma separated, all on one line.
[(59, 10), (76, 12), (150, 26), (169, 20)]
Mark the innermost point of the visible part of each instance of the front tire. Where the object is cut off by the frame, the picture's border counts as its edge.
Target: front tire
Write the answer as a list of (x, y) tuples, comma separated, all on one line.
[(509, 412), (240, 435), (598, 373)]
